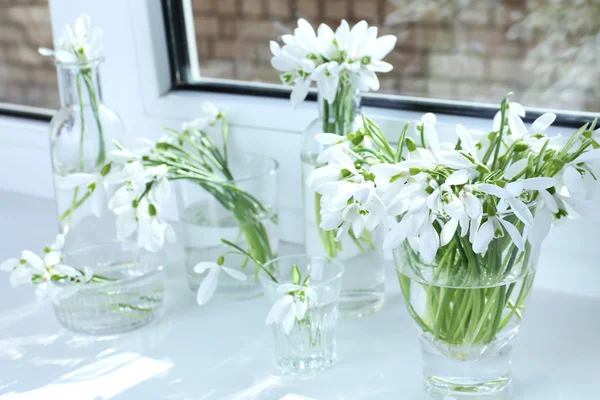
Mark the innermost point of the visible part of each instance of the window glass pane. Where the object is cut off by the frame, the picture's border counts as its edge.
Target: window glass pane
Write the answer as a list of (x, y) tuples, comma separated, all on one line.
[(546, 51), (26, 77)]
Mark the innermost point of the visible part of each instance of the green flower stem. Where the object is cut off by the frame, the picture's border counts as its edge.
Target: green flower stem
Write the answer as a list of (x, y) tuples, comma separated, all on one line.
[(75, 205), (86, 76), (89, 82), (474, 304), (338, 118)]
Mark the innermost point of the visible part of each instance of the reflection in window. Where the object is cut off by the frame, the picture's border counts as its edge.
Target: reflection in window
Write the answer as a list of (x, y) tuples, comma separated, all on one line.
[(475, 50), (26, 78)]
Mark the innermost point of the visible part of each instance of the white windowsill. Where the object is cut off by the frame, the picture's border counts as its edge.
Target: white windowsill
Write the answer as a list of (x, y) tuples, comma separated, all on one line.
[(220, 352)]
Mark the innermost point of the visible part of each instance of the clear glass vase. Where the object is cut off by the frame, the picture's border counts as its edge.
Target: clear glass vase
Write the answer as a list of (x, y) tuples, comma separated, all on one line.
[(310, 346), (467, 309), (81, 134), (363, 286), (206, 219), (128, 291)]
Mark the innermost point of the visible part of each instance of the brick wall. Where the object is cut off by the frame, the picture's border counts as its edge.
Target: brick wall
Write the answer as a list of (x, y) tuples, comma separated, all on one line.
[(25, 76), (445, 49)]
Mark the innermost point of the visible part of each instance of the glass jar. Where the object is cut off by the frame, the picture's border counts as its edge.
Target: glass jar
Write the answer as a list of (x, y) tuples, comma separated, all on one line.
[(244, 212), (467, 309), (81, 134), (310, 346), (127, 292), (363, 286)]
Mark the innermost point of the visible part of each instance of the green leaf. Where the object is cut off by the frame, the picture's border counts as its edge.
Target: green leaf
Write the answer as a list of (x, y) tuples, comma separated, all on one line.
[(296, 276)]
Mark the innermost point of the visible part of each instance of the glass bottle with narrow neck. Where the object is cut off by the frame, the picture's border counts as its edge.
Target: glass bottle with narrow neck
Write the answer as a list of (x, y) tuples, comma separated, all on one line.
[(362, 291), (81, 134)]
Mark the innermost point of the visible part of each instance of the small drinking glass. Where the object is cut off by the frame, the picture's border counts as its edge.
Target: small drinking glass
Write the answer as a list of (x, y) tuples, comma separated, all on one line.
[(131, 296), (310, 346)]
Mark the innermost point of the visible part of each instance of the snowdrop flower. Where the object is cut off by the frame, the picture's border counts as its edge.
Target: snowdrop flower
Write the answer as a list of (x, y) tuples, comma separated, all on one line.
[(350, 55), (43, 270), (363, 209), (370, 51), (573, 177), (291, 307), (77, 45), (511, 192), (339, 163), (209, 283), (444, 202), (513, 115), (210, 115), (434, 154), (153, 231), (97, 183), (494, 228), (19, 272)]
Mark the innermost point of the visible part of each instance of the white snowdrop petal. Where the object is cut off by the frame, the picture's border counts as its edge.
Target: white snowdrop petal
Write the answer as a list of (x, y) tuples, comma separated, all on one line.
[(208, 287), (300, 308), (521, 210), (202, 266), (572, 179), (235, 274), (46, 52), (473, 206), (483, 237), (448, 231), (514, 234), (287, 324), (279, 309), (9, 265), (494, 190), (542, 222), (588, 156), (285, 288), (52, 258), (33, 260), (459, 177), (549, 201), (429, 243), (542, 123), (398, 233)]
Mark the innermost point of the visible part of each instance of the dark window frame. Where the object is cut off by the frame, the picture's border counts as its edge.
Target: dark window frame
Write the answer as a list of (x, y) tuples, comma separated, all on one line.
[(26, 112), (179, 63)]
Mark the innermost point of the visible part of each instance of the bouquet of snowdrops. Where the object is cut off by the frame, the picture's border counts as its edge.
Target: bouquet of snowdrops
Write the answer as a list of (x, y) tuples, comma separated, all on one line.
[(466, 214)]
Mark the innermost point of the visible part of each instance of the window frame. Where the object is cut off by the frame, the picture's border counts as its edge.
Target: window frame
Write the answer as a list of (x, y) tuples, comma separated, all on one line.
[(181, 80), (26, 112)]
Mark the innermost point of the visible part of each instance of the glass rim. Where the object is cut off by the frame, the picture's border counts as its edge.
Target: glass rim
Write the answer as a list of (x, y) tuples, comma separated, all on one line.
[(159, 268), (265, 277), (79, 64), (272, 170)]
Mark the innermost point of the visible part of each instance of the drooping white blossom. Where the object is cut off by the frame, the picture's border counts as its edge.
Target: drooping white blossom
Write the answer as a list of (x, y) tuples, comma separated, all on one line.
[(352, 54), (211, 280), (78, 44), (291, 306)]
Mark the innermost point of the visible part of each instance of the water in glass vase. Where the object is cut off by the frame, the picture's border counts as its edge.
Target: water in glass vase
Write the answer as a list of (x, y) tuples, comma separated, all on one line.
[(127, 290), (364, 276), (205, 224), (466, 335)]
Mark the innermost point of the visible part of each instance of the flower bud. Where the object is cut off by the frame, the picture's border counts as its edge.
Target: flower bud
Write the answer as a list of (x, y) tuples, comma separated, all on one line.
[(482, 169), (221, 260), (106, 169), (411, 145), (414, 170), (345, 173), (152, 210), (520, 147)]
